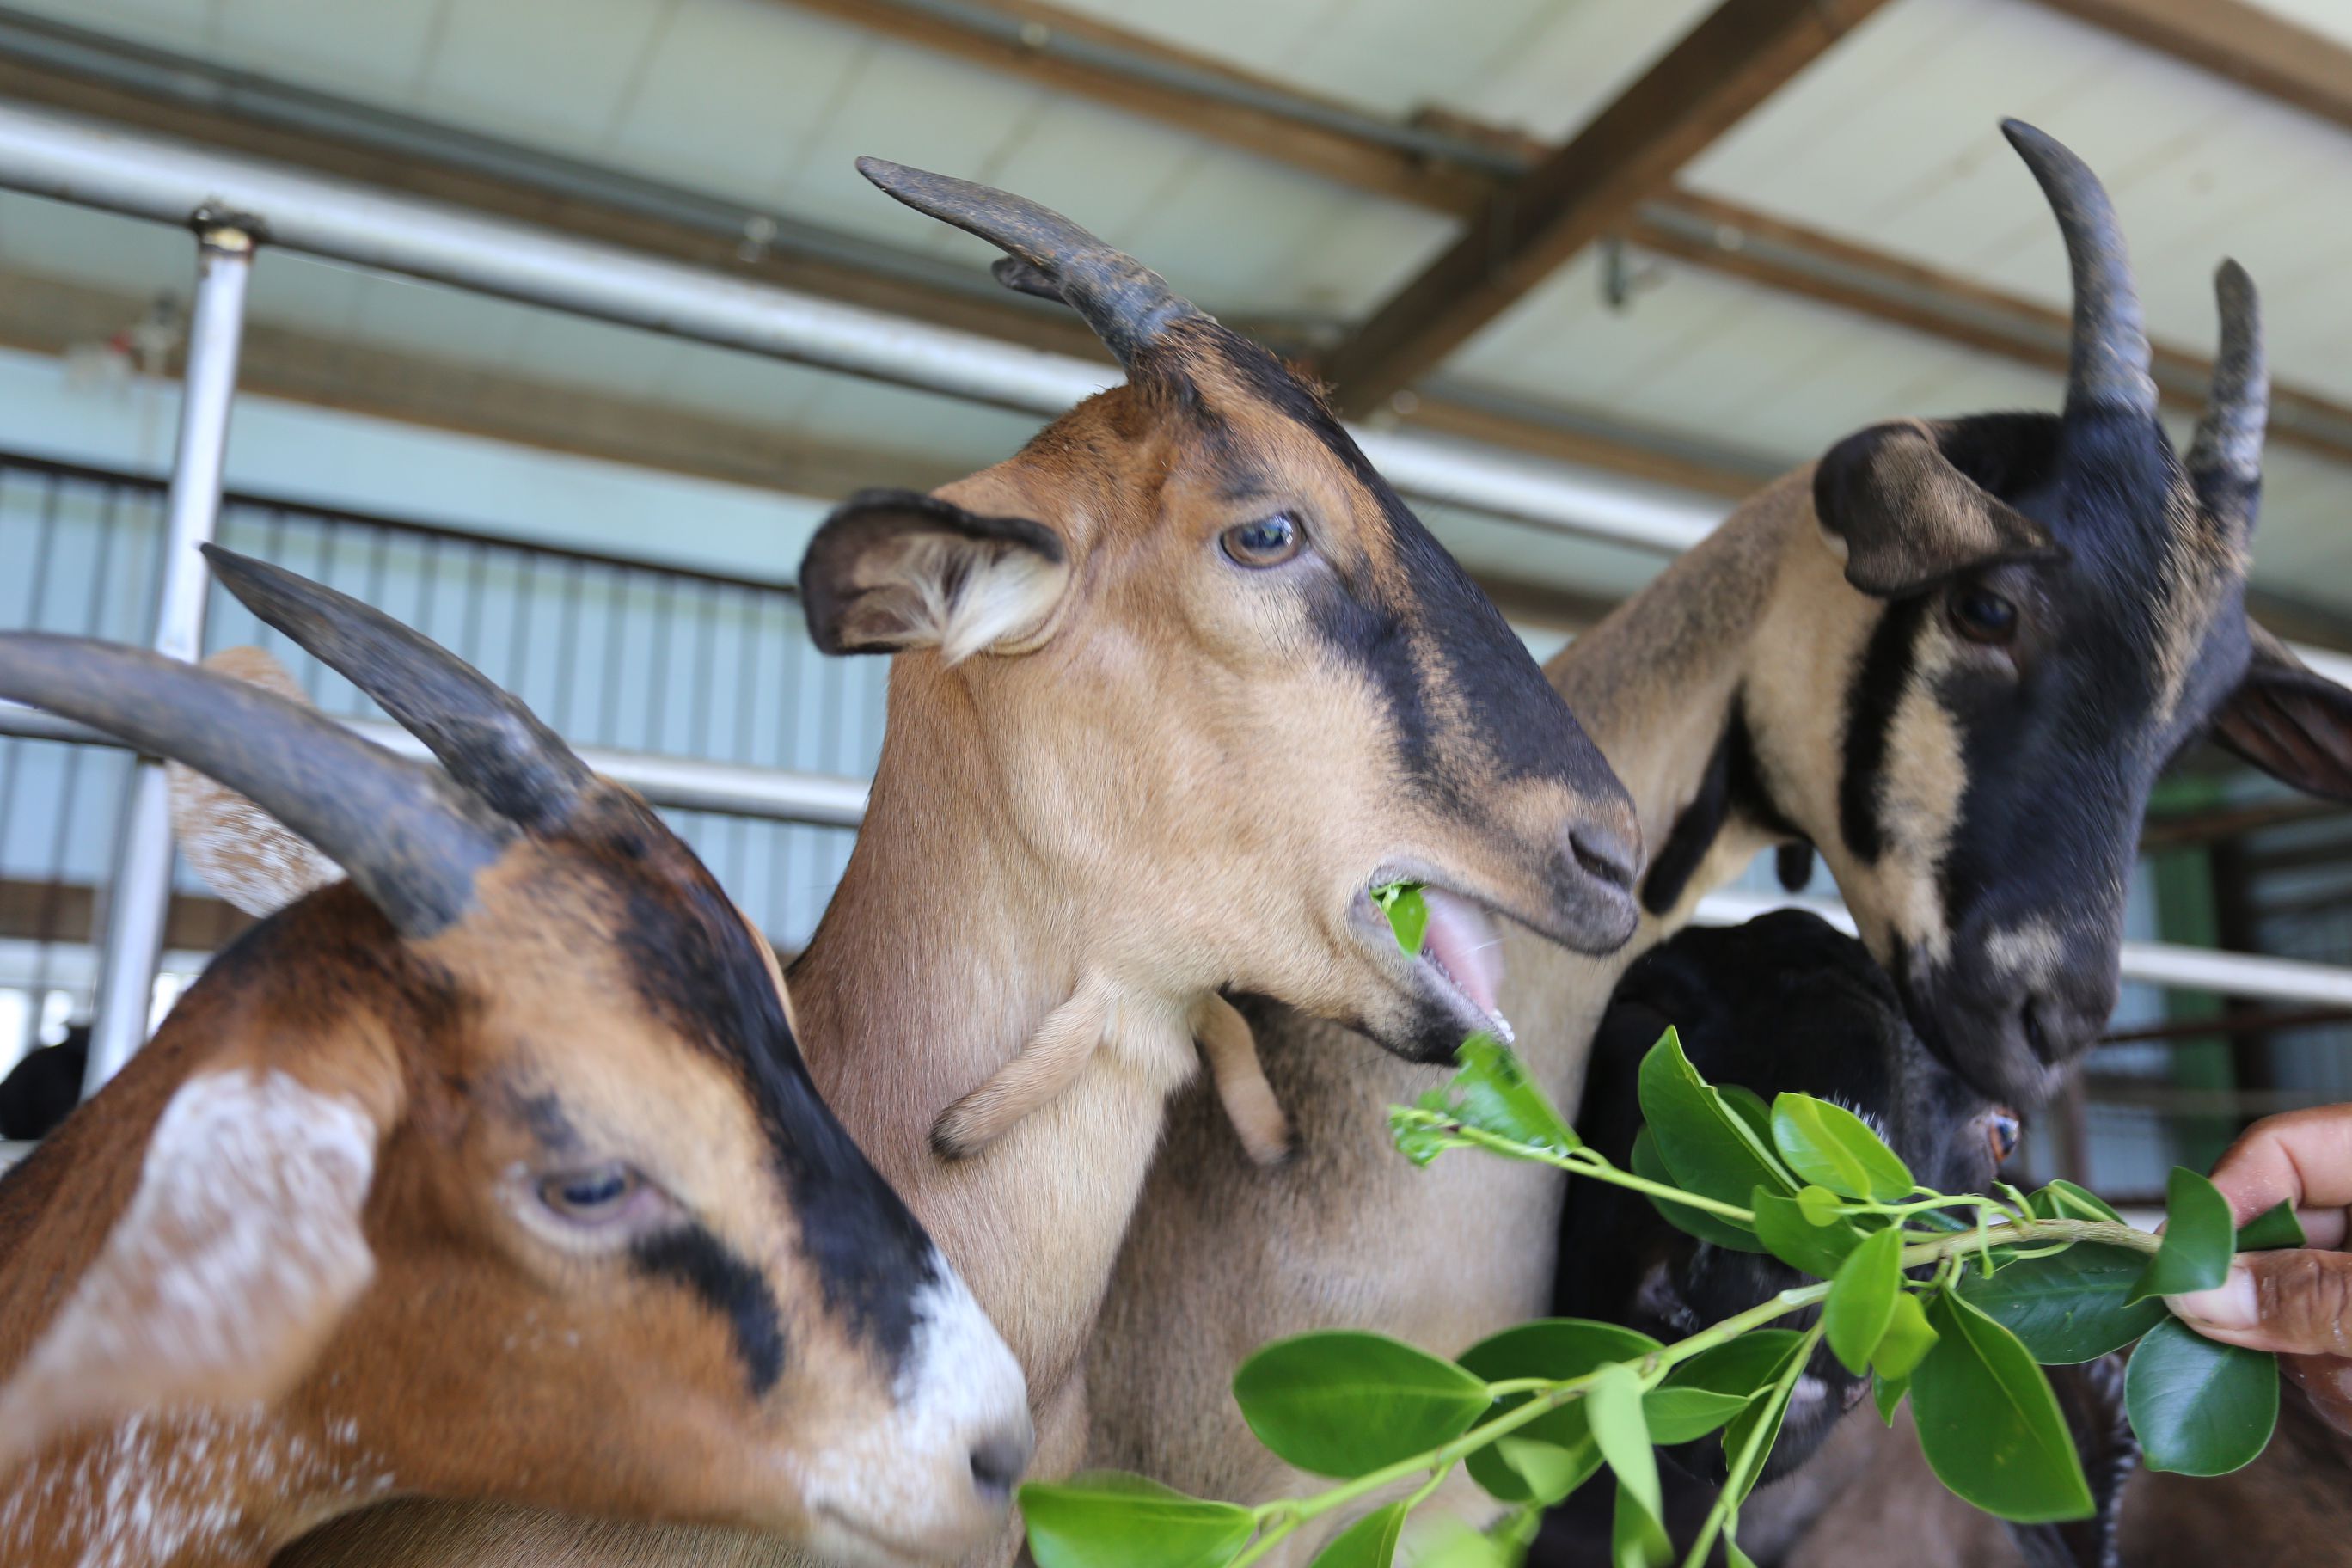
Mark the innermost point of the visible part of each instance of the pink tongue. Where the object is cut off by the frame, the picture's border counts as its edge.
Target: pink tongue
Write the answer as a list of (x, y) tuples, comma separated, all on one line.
[(1462, 939)]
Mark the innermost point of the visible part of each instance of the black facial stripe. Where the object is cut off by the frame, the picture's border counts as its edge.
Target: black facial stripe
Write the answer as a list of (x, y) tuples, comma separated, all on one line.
[(1524, 728), (696, 969), (704, 1265), (1733, 784), (1870, 705)]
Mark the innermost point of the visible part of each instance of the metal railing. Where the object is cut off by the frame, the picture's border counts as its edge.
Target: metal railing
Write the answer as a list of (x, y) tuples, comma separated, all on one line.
[(625, 657), (69, 159)]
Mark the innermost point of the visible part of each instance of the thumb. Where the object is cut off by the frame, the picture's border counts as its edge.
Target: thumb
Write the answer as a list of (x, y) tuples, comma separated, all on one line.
[(2296, 1302)]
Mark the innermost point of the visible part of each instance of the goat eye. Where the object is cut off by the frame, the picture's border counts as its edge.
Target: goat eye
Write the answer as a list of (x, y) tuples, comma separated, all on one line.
[(1268, 542), (2002, 1127), (593, 1195), (1981, 615)]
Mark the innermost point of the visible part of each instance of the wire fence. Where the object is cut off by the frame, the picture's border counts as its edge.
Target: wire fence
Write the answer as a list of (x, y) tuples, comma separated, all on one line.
[(613, 653)]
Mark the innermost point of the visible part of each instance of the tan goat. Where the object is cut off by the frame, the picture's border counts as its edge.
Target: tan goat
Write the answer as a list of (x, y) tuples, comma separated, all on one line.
[(1179, 684), (1953, 657), (491, 1171)]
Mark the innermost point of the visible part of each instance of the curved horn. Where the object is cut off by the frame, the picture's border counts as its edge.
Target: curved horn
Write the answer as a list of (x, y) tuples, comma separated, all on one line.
[(2110, 368), (1126, 303), (411, 840), (2228, 449), (483, 734)]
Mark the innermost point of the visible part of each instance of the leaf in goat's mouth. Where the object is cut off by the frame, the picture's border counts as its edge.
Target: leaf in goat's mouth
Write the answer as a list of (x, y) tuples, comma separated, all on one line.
[(1407, 910)]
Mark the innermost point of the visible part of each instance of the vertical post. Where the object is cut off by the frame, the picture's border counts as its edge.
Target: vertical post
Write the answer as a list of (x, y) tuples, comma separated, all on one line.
[(142, 893)]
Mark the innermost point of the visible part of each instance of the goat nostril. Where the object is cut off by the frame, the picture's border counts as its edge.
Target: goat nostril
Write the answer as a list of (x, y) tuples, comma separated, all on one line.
[(997, 1463), (1603, 857)]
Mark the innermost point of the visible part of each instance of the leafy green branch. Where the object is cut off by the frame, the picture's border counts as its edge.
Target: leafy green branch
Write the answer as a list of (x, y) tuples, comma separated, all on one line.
[(1953, 1302)]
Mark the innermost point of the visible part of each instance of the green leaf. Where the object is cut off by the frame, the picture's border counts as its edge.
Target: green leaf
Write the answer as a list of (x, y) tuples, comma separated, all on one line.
[(1732, 1556), (1369, 1542), (1906, 1341), (1860, 1305), (1343, 1403), (1108, 1517), (1548, 1471), (1750, 1107), (1887, 1393), (1614, 1407), (1989, 1424), (2275, 1227), (1555, 1349), (1408, 912), (1796, 1241), (1494, 1094), (1636, 1539), (1819, 1205), (1417, 1141), (1709, 1147), (1742, 1368), (2199, 1408), (2198, 1233), (2062, 1199), (2071, 1306), (1708, 1227), (1831, 1146), (1459, 1546), (1680, 1415)]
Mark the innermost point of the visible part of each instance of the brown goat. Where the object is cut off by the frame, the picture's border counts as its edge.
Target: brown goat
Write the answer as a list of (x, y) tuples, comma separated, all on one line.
[(1178, 684), (491, 1171), (1953, 657)]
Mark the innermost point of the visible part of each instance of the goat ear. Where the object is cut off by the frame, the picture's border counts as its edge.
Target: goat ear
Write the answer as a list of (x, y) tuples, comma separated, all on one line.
[(235, 847), (2289, 721), (892, 570), (234, 1261), (1909, 519)]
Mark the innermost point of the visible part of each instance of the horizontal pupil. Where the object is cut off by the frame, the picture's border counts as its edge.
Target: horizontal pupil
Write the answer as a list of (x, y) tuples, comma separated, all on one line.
[(596, 1190)]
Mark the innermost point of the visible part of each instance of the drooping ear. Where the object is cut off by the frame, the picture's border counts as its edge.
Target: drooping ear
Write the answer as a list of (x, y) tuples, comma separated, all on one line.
[(892, 570), (235, 1260), (2289, 721), (1909, 519), (238, 849)]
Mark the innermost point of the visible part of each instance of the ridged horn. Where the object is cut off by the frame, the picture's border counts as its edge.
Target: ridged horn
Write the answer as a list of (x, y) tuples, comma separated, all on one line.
[(483, 734), (2108, 368), (412, 841), (2225, 459), (1126, 303)]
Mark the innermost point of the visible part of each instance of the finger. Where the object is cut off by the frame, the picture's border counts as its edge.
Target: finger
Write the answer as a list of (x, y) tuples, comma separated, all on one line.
[(2303, 1158), (2296, 1302), (2326, 1383)]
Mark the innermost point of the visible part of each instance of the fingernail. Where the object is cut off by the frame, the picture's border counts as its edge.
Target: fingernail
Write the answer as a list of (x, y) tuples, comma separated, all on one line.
[(2229, 1305)]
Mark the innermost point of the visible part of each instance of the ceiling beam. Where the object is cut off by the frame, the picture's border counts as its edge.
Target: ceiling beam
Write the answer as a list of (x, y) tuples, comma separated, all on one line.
[(49, 317), (1730, 62), (2256, 48), (1792, 259), (2236, 39), (1070, 52)]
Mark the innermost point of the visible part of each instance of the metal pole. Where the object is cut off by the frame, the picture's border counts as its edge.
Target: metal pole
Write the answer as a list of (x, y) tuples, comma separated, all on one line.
[(142, 889), (73, 161)]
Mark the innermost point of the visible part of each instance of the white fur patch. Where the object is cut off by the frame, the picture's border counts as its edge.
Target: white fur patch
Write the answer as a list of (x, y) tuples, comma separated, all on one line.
[(905, 1482), (157, 1488), (972, 599), (235, 1256), (238, 849)]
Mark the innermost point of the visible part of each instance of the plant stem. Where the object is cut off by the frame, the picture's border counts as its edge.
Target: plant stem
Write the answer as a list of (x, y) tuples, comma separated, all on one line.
[(1752, 1454), (1580, 1161)]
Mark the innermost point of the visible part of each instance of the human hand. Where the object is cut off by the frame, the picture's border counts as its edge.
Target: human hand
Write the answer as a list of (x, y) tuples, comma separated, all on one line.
[(2297, 1303)]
